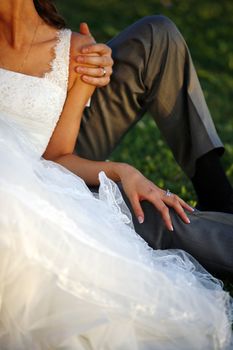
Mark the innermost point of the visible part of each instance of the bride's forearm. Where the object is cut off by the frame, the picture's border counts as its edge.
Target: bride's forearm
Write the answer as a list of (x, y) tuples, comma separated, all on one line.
[(88, 170)]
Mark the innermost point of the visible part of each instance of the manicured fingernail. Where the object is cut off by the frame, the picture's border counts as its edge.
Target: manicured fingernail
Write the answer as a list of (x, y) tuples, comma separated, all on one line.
[(79, 69), (171, 228), (80, 59), (188, 221), (140, 219)]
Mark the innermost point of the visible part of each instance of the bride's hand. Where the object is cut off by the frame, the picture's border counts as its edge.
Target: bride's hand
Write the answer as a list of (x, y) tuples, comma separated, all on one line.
[(99, 56), (138, 188)]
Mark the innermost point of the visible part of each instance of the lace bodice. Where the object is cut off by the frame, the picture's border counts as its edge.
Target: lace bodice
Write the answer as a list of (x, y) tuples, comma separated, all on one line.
[(35, 103)]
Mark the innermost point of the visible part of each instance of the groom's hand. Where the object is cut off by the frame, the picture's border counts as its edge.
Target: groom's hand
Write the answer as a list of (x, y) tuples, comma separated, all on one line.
[(98, 57)]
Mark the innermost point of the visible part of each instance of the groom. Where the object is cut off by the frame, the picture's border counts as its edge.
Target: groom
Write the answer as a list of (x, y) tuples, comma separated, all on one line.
[(153, 71)]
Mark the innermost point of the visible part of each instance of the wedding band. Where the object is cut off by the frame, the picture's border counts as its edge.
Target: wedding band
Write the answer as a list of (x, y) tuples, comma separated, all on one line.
[(168, 193), (104, 72)]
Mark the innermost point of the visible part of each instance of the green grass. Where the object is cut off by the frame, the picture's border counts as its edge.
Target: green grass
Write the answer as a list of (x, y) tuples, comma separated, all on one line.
[(207, 27)]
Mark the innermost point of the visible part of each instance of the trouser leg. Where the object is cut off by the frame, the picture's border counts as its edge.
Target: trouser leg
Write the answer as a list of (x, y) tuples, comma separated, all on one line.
[(153, 71), (208, 238)]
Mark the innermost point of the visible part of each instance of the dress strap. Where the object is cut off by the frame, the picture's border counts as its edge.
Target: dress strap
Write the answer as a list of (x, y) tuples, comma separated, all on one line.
[(59, 72)]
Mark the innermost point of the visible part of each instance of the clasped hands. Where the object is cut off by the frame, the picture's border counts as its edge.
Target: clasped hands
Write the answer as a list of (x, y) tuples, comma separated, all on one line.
[(98, 57), (136, 186)]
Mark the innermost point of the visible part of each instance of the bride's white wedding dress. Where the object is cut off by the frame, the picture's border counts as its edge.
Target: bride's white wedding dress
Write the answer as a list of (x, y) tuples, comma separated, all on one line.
[(73, 272)]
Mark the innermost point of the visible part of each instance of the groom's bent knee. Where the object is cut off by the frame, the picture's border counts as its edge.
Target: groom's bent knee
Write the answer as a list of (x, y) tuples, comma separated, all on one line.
[(163, 25)]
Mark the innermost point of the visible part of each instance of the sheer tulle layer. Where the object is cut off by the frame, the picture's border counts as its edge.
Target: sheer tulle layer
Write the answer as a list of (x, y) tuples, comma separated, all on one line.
[(75, 275)]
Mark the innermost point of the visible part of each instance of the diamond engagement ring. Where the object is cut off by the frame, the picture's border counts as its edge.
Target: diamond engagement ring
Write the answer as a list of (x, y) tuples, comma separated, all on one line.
[(104, 72), (168, 193)]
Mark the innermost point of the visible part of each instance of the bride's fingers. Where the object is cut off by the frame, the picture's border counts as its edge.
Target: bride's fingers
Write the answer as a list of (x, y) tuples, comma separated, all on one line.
[(134, 200), (178, 205), (101, 49), (186, 206), (95, 81), (164, 211), (94, 60), (162, 208), (94, 71), (180, 211)]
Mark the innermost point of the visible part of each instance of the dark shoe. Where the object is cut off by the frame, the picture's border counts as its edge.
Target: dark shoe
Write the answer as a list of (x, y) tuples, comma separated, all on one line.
[(224, 208)]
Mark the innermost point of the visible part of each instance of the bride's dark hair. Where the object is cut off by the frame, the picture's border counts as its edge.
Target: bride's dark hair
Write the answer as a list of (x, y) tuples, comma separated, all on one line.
[(49, 13)]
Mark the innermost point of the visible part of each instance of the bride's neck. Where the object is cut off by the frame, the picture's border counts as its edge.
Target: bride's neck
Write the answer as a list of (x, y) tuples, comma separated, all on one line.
[(17, 20)]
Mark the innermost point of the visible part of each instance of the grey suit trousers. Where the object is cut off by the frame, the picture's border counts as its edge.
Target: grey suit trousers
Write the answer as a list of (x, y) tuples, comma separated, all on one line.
[(153, 71)]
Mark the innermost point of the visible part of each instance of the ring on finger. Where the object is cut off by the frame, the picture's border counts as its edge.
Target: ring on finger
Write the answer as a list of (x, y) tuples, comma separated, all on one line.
[(104, 72), (168, 193)]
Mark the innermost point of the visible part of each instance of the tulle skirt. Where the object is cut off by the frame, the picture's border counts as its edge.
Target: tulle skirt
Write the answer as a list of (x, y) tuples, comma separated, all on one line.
[(75, 275)]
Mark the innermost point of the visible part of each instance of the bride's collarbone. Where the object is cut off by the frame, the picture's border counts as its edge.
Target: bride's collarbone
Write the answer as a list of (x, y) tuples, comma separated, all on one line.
[(38, 62)]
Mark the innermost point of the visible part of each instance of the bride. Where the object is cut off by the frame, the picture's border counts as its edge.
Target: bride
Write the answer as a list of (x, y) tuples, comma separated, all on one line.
[(73, 272)]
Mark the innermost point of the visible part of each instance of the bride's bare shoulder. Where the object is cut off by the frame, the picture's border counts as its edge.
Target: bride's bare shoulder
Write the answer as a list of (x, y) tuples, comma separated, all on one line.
[(77, 42)]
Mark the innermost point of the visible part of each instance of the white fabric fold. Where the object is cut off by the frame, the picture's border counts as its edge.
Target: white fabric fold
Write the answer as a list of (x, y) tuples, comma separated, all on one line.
[(75, 275)]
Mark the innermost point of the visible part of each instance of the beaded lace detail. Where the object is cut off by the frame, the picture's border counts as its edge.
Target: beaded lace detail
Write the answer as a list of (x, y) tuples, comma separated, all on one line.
[(35, 103), (60, 64)]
